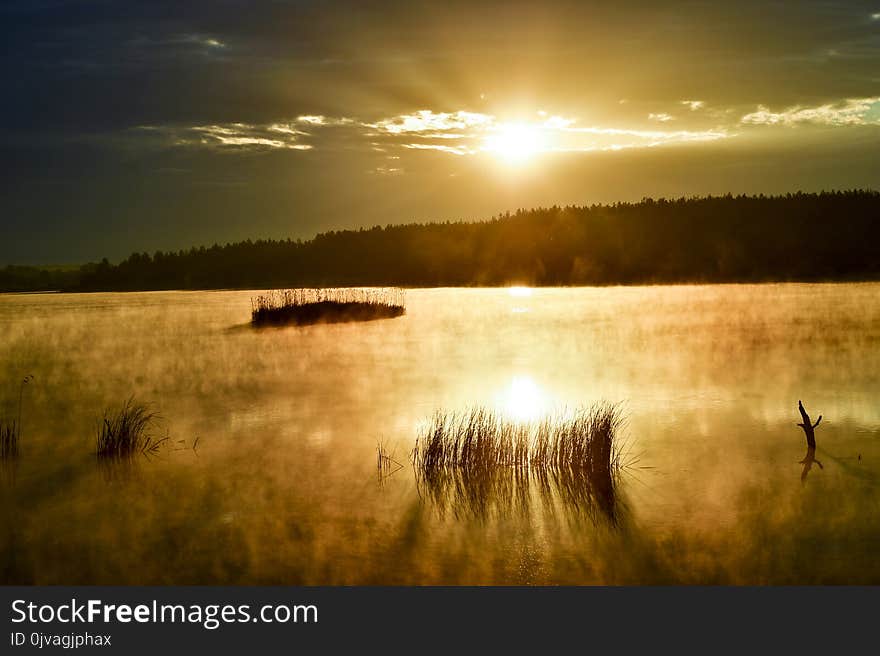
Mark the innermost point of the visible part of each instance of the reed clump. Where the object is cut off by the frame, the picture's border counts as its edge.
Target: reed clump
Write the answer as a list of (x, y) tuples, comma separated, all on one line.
[(10, 431), (127, 431), (331, 305), (8, 439), (478, 459)]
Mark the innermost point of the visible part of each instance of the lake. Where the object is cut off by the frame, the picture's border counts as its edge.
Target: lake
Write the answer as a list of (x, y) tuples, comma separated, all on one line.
[(283, 488)]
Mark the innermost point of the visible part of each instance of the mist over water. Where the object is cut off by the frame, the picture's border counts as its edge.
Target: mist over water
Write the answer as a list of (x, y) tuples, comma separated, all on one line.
[(283, 485)]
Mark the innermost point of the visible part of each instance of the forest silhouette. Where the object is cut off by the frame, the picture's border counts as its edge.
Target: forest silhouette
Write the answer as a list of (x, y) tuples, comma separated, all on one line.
[(795, 237)]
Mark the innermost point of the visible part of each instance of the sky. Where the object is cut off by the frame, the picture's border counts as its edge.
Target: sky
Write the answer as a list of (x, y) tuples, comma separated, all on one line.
[(144, 126)]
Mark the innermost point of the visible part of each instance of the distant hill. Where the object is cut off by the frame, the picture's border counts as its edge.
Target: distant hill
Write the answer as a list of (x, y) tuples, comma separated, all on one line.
[(825, 236)]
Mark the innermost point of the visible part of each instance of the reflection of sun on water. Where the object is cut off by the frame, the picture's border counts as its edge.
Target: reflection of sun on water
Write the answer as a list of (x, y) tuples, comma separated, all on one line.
[(519, 292), (522, 400)]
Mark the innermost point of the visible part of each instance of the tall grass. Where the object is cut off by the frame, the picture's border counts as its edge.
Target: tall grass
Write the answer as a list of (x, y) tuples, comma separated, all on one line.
[(10, 432), (478, 459), (126, 432), (305, 306), (8, 440), (386, 463)]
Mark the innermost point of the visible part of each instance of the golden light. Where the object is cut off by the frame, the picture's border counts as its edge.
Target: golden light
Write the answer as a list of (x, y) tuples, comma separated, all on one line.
[(522, 400), (515, 142), (519, 291)]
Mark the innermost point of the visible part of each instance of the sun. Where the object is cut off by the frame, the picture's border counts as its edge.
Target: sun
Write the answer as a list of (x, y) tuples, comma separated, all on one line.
[(515, 142)]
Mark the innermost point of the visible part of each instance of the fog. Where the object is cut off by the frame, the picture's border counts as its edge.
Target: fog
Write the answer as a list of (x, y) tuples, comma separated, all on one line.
[(283, 487)]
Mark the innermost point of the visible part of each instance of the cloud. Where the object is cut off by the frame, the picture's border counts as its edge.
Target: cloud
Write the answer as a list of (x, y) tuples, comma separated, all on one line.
[(325, 121), (231, 136), (301, 133), (452, 150), (466, 133), (457, 133), (595, 138), (164, 43), (387, 170), (472, 133), (852, 111), (283, 128), (558, 123), (427, 121)]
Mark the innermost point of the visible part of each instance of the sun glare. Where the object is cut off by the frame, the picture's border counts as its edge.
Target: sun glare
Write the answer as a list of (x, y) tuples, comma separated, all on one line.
[(522, 400), (515, 142)]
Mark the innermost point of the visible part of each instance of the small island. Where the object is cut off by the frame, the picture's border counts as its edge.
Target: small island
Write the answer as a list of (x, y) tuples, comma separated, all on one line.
[(308, 306)]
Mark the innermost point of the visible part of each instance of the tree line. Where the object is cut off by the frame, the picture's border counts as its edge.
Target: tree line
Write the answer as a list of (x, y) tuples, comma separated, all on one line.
[(801, 236)]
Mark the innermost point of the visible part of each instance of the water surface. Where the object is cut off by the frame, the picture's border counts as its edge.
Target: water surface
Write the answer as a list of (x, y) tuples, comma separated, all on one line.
[(283, 486)]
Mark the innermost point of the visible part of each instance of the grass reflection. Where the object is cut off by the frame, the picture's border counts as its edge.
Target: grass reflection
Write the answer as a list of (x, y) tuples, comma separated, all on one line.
[(477, 463)]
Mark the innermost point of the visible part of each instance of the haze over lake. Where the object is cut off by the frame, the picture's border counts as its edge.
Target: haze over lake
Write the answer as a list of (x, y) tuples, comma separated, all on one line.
[(283, 487)]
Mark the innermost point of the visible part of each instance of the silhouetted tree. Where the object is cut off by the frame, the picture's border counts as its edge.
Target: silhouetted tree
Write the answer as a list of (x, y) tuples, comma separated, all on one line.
[(824, 236)]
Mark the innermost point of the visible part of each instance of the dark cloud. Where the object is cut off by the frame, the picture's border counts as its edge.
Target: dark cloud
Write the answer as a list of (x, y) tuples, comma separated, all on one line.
[(145, 125)]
